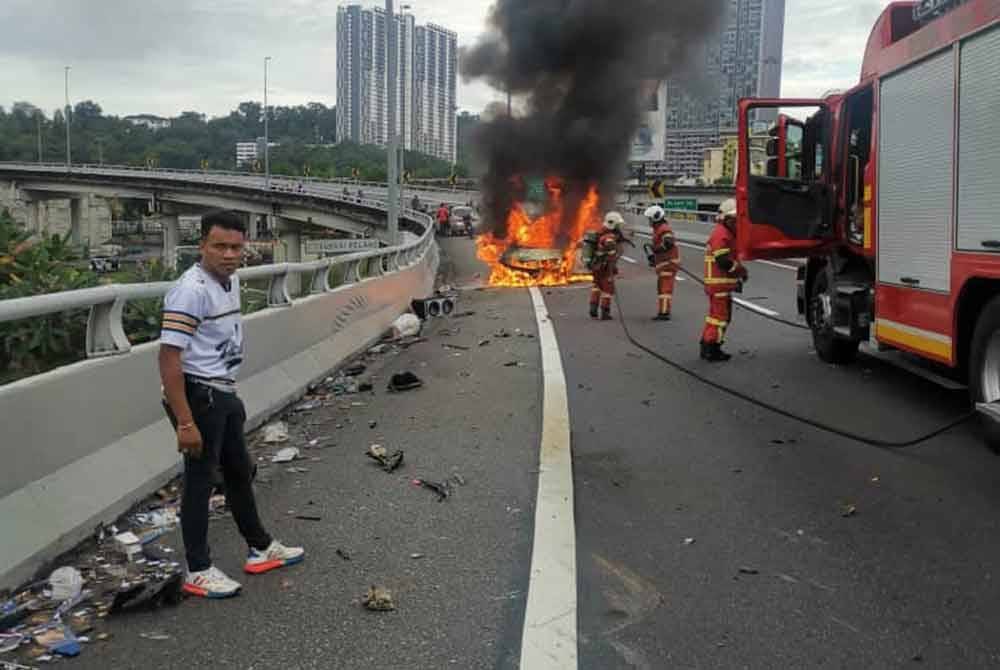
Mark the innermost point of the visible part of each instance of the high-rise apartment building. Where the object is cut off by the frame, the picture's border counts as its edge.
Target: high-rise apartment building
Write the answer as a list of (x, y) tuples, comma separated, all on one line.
[(744, 61), (427, 79)]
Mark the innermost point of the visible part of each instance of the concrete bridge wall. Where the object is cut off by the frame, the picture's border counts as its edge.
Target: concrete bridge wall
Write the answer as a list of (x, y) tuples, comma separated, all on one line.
[(83, 443)]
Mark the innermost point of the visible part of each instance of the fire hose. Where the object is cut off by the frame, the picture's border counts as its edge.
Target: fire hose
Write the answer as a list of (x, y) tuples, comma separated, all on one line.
[(763, 404)]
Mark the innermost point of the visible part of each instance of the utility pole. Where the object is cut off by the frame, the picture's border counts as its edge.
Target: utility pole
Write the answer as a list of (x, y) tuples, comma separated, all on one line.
[(69, 159), (392, 146), (267, 148), (38, 126)]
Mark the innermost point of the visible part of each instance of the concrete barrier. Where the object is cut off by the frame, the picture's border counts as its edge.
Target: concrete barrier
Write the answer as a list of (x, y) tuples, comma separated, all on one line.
[(83, 443)]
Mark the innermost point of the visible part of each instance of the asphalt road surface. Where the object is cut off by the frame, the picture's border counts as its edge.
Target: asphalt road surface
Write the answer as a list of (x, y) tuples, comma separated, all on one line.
[(710, 533)]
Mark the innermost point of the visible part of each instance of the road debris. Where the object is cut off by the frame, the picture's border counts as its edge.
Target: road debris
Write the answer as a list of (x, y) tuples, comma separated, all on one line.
[(460, 315), (372, 424), (688, 541), (276, 433), (389, 462), (484, 343), (416, 556), (442, 489), (286, 455), (308, 406), (406, 325), (308, 517), (66, 583), (457, 347), (745, 570), (849, 511), (404, 381), (513, 364), (343, 554), (355, 370), (149, 595), (379, 599), (501, 334), (159, 637)]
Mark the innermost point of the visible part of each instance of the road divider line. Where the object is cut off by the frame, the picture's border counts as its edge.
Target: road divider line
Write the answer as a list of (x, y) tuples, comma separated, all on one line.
[(753, 307), (783, 266), (549, 637)]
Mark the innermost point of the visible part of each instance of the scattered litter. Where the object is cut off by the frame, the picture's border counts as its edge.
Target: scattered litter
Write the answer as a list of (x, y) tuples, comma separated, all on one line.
[(389, 462), (442, 489), (379, 599), (688, 541), (154, 636), (309, 406), (149, 595), (404, 381), (66, 583), (378, 349), (849, 511), (129, 545), (460, 315), (501, 334), (286, 455), (458, 347), (355, 370), (11, 641), (11, 665), (286, 584), (275, 433), (749, 571), (416, 556), (458, 479), (407, 325), (484, 343), (296, 471), (513, 364), (58, 639), (372, 424), (308, 517), (876, 479), (313, 443), (343, 554)]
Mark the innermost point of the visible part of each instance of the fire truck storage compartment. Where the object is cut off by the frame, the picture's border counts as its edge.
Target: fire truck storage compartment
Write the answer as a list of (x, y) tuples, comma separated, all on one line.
[(979, 143), (916, 130)]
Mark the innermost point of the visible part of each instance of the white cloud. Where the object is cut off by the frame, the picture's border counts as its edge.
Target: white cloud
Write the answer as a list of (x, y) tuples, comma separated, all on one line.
[(149, 56)]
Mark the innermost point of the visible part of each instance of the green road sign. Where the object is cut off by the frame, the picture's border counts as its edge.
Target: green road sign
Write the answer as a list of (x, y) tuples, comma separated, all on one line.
[(534, 190), (690, 204)]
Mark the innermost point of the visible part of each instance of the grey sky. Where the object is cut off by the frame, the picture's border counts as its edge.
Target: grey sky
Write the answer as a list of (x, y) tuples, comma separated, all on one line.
[(135, 56)]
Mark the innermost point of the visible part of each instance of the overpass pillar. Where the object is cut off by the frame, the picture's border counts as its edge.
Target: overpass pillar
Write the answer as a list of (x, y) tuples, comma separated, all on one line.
[(76, 206), (290, 249), (171, 238)]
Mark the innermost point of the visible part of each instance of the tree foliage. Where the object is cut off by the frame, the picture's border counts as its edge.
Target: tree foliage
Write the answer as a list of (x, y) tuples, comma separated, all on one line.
[(306, 135)]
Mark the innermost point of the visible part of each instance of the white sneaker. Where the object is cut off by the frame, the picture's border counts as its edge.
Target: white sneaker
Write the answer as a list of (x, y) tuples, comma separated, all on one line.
[(275, 556), (211, 583)]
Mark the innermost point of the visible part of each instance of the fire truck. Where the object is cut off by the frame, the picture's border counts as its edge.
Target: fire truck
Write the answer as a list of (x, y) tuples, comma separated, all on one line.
[(891, 191)]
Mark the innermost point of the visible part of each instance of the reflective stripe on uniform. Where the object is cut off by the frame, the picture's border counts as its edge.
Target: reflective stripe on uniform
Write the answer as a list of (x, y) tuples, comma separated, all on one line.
[(716, 322)]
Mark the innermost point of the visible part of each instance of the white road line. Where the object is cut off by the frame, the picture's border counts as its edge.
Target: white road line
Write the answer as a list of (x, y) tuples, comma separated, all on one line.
[(630, 260), (755, 308), (548, 641), (783, 266)]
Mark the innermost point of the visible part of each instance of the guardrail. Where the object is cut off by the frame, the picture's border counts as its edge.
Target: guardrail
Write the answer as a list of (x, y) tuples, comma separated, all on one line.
[(678, 215), (111, 169), (105, 330)]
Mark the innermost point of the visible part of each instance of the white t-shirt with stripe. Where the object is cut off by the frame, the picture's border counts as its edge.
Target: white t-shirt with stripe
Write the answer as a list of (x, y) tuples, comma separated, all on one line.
[(201, 317)]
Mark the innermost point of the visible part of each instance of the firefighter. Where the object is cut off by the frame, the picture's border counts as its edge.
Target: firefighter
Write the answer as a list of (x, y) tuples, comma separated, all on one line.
[(665, 259), (724, 275), (604, 265)]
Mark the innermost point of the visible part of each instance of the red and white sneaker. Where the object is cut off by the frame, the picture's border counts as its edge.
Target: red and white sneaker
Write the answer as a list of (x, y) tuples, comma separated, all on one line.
[(211, 583), (275, 556)]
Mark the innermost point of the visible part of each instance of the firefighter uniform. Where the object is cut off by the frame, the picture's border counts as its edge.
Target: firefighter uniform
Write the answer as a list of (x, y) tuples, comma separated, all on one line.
[(605, 266), (723, 277), (666, 259)]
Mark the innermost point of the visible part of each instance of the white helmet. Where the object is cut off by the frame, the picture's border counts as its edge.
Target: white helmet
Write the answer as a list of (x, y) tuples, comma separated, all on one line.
[(655, 214), (613, 221), (728, 207)]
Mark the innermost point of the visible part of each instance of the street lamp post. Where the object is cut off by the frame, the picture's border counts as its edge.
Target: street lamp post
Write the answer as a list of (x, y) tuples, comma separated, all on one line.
[(267, 149), (69, 160), (392, 146)]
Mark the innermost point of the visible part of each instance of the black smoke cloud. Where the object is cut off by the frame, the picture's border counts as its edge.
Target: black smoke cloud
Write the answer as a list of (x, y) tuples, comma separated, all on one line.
[(581, 72)]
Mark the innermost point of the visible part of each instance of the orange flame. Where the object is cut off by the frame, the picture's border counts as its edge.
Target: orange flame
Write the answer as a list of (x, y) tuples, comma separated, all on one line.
[(545, 232)]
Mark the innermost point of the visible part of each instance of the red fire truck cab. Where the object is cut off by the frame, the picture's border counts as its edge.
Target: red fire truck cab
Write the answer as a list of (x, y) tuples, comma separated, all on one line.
[(891, 190)]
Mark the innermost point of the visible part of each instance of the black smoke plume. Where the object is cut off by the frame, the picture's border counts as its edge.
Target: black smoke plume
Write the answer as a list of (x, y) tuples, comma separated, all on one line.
[(582, 73)]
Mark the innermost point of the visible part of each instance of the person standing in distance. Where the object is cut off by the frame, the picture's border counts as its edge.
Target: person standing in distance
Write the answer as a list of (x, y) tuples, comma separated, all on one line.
[(201, 350)]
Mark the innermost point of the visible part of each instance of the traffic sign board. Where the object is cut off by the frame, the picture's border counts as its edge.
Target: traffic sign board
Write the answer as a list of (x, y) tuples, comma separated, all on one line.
[(681, 203), (657, 189)]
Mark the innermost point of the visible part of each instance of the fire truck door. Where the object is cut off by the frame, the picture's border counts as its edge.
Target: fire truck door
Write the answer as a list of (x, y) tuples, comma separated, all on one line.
[(785, 212)]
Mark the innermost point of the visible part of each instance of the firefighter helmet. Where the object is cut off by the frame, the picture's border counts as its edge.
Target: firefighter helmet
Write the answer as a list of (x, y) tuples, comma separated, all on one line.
[(613, 221), (655, 214), (728, 207)]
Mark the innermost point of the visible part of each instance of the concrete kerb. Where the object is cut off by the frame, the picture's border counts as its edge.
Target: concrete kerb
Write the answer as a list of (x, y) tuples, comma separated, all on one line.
[(51, 514)]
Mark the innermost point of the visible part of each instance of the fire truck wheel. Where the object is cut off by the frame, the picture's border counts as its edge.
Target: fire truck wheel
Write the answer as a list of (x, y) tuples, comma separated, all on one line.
[(984, 367), (829, 346)]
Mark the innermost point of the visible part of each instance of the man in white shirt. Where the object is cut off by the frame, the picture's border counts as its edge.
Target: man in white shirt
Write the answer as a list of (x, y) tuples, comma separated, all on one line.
[(201, 349)]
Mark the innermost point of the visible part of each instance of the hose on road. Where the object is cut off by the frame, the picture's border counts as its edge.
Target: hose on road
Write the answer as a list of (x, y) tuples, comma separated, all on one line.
[(762, 404), (770, 317)]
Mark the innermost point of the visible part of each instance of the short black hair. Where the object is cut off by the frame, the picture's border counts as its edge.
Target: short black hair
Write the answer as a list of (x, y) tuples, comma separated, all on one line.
[(227, 219)]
